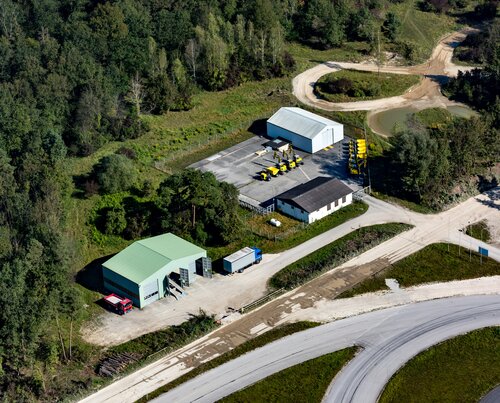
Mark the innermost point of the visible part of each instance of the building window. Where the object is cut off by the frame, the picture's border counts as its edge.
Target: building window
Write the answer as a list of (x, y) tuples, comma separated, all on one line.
[(336, 203), (329, 206), (343, 199)]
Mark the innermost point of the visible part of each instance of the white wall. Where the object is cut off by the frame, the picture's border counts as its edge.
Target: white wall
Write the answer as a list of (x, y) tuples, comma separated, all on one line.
[(338, 133), (292, 211), (322, 140), (324, 211), (314, 216)]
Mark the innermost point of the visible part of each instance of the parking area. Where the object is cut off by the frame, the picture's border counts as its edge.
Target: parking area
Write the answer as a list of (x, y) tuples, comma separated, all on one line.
[(240, 166)]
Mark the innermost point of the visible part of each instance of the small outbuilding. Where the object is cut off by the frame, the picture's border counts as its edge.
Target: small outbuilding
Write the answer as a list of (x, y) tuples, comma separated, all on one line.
[(141, 271), (315, 199), (305, 130)]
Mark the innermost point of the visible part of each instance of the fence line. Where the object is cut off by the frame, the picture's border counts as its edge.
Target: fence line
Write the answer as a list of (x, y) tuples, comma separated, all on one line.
[(358, 194), (261, 301), (257, 209)]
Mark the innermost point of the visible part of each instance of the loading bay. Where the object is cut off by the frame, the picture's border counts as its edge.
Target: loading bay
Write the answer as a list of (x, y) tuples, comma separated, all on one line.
[(240, 166)]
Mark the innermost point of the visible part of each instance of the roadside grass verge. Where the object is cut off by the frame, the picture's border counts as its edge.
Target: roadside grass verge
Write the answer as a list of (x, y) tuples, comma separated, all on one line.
[(307, 57), (290, 234), (168, 339), (432, 264), (417, 208), (461, 369), (334, 254), (479, 230), (244, 348), (353, 85), (79, 377), (305, 382)]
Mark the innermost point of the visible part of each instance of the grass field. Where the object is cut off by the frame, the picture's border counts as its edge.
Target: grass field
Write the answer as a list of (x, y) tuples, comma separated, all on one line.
[(434, 117), (479, 231), (333, 254), (462, 369), (364, 85), (434, 263), (421, 29), (306, 382), (250, 345)]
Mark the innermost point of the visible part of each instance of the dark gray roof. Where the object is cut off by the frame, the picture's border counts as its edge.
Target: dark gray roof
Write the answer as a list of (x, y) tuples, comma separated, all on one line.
[(276, 143), (315, 194)]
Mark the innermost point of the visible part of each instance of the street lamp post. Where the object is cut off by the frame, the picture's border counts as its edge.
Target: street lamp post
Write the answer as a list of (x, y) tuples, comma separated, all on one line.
[(459, 240), (470, 247)]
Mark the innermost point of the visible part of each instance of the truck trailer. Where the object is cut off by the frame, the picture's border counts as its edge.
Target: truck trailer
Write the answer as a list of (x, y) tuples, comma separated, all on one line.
[(119, 304), (239, 261)]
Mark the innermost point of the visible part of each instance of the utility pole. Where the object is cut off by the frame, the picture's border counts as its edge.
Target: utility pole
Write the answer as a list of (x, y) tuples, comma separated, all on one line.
[(379, 54)]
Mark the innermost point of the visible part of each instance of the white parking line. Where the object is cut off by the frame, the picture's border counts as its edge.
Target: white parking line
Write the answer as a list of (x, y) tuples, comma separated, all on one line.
[(301, 170)]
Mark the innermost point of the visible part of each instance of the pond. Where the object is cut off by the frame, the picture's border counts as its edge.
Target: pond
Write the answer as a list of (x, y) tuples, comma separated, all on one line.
[(384, 122)]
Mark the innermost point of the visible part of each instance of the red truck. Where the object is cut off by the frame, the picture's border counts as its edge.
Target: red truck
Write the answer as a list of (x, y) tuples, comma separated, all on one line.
[(120, 305)]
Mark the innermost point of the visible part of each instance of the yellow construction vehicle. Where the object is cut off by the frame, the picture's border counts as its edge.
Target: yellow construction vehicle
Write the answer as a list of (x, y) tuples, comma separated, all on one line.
[(273, 171), (282, 167), (265, 176), (290, 164), (298, 160)]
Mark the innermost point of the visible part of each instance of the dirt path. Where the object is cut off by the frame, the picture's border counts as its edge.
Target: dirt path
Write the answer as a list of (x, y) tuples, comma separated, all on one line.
[(426, 94)]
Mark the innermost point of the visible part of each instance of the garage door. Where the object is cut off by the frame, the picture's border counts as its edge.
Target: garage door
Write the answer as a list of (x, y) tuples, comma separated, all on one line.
[(150, 293)]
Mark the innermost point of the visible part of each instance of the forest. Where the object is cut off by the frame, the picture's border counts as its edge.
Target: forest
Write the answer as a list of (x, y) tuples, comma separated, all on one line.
[(76, 75)]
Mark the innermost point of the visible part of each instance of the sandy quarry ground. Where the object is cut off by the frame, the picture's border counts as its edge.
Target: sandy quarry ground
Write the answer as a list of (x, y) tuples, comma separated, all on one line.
[(426, 94)]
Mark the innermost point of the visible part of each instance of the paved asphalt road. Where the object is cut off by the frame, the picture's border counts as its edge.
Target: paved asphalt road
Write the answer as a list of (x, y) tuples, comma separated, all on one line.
[(389, 338)]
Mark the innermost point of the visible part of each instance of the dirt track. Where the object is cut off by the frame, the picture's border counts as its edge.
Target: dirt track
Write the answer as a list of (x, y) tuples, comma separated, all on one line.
[(426, 94)]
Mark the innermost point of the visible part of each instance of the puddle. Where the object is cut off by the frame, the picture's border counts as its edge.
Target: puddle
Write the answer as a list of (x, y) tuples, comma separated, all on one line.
[(385, 122)]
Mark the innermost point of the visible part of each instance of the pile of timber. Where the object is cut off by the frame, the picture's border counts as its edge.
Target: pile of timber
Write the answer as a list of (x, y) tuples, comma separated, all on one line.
[(116, 363)]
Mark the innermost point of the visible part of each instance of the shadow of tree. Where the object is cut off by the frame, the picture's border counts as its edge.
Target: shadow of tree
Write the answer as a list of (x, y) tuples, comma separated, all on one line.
[(90, 276)]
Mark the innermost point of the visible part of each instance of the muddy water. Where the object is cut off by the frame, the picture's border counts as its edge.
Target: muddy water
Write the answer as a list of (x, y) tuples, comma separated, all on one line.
[(386, 121)]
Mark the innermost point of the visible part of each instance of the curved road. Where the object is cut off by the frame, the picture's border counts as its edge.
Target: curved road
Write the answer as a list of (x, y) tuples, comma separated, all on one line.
[(493, 396), (426, 94), (389, 338)]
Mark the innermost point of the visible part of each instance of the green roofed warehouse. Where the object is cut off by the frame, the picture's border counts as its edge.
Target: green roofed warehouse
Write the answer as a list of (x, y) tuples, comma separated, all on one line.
[(141, 271)]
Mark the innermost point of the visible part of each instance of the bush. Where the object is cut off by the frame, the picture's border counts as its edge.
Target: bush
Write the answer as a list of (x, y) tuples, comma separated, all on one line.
[(114, 221), (115, 173)]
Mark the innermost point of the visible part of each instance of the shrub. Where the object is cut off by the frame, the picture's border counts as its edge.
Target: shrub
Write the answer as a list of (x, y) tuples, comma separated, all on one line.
[(114, 221), (115, 173)]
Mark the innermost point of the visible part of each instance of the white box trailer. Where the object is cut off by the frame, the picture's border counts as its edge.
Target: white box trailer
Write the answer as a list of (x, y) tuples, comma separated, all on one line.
[(242, 259)]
